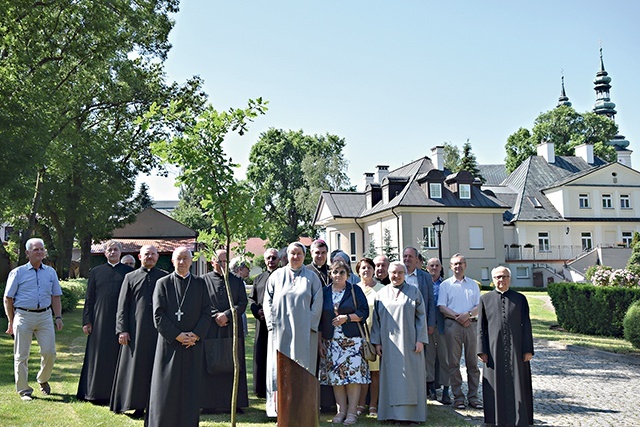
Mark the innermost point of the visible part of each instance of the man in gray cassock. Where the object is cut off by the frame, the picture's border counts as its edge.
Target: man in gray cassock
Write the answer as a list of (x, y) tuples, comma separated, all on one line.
[(399, 333)]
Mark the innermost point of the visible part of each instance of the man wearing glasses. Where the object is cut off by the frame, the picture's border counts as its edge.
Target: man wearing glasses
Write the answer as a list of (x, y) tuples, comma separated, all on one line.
[(505, 346), (271, 259)]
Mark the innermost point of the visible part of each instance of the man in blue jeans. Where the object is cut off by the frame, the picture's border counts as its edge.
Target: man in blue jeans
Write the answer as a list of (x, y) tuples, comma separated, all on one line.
[(32, 291)]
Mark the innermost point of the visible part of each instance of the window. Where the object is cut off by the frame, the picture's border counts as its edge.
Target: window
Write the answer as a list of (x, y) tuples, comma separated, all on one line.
[(627, 236), (484, 271), (7, 232), (543, 241), (465, 191), (535, 202), (352, 241), (607, 201), (338, 241), (584, 201), (522, 272), (429, 239), (625, 201), (476, 238), (435, 190), (587, 242)]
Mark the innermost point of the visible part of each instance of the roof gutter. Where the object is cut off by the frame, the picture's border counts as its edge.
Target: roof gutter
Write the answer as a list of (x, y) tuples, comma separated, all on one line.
[(361, 229), (397, 230)]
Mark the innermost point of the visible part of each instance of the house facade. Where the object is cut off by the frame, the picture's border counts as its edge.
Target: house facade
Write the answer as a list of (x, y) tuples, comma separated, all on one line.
[(398, 210)]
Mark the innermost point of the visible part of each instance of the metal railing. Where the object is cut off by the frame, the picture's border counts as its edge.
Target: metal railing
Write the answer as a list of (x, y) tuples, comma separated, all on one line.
[(534, 253)]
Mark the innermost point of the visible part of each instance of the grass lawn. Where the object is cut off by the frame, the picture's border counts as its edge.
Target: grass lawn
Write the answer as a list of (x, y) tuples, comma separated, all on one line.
[(62, 409), (544, 324)]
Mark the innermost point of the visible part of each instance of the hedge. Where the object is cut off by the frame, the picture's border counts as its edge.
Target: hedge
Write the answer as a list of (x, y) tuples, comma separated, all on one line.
[(593, 310), (72, 291)]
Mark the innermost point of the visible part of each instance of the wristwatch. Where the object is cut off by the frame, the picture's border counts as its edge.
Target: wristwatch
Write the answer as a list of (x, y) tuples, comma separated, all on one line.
[(470, 314)]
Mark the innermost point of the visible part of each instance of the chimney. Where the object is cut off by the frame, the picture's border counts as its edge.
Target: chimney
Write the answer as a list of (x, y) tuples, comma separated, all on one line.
[(368, 179), (383, 170), (585, 151), (437, 157), (546, 150)]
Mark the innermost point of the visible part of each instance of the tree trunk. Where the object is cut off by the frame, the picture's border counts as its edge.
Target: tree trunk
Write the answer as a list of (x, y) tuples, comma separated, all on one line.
[(35, 205), (85, 254)]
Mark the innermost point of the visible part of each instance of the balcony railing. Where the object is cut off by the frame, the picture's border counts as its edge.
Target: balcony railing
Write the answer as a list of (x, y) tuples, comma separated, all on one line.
[(552, 252)]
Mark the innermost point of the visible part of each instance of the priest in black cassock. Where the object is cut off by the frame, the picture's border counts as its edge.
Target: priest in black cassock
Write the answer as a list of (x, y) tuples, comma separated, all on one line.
[(217, 388), (99, 324), (137, 335), (271, 259), (505, 345), (181, 313)]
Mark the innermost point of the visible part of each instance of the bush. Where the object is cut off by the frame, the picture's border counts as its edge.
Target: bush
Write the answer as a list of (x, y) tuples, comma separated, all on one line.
[(73, 290), (632, 324), (593, 310)]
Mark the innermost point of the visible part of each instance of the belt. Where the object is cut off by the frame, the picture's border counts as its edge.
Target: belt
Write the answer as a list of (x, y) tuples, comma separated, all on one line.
[(34, 310)]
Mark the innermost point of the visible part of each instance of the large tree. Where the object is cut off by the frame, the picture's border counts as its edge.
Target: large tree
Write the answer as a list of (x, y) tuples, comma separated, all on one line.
[(566, 128), (75, 78), (469, 162), (288, 170)]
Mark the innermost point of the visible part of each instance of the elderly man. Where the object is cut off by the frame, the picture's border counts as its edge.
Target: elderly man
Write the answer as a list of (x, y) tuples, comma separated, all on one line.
[(382, 269), (458, 301), (99, 324), (262, 334), (436, 351), (505, 346), (129, 260), (137, 335), (182, 314), (217, 387), (32, 291)]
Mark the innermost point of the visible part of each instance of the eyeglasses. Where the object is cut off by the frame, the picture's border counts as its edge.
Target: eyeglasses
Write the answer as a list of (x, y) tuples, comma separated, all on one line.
[(501, 277), (272, 257), (339, 272)]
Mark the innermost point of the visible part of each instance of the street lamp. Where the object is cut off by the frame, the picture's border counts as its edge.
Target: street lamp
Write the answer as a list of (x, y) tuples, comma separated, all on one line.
[(438, 225)]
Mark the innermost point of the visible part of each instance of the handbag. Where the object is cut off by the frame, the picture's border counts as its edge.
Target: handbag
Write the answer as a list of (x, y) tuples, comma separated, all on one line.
[(368, 349), (219, 355)]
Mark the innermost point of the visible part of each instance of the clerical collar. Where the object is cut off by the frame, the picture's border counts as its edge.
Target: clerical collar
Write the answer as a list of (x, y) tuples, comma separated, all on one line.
[(183, 278), (147, 269), (500, 292), (113, 265), (323, 267)]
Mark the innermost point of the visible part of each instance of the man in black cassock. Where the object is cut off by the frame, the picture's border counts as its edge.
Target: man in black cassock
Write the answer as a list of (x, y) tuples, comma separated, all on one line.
[(181, 313), (137, 335), (505, 345), (262, 334), (99, 323), (217, 388)]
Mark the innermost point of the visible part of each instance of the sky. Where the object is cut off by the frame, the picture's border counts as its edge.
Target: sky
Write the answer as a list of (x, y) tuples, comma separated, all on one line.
[(396, 78)]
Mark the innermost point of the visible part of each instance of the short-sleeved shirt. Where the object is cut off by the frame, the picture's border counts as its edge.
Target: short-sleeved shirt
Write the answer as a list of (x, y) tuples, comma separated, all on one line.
[(459, 295), (31, 288)]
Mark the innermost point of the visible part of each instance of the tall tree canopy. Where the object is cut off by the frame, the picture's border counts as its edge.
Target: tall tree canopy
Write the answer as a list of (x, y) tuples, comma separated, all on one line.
[(289, 170), (75, 80), (566, 128)]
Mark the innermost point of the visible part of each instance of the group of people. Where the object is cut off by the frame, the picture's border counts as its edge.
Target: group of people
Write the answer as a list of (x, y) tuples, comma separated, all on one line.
[(155, 340)]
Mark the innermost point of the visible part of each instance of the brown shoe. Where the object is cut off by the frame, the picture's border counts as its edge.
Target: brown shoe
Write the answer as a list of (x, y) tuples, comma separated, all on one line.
[(45, 388)]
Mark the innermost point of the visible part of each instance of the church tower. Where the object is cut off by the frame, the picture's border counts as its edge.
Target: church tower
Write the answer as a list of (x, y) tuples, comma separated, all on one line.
[(605, 107), (564, 99)]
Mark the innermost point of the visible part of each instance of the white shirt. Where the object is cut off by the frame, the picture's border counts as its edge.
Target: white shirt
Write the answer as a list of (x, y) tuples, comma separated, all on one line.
[(459, 295), (412, 278)]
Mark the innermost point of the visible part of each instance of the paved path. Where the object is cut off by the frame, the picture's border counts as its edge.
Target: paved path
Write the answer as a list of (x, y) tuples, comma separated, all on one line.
[(573, 386)]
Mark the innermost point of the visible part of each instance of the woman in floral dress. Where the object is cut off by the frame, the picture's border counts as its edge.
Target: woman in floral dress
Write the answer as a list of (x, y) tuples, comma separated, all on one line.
[(341, 363)]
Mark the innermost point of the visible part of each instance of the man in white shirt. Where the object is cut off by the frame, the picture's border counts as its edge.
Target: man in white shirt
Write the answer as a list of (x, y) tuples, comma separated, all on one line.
[(458, 301)]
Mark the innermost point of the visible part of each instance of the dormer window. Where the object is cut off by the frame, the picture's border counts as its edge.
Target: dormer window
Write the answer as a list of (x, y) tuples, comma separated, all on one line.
[(435, 190), (464, 191)]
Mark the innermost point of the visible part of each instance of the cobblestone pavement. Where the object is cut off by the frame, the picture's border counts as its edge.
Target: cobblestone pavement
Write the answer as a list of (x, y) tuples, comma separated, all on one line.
[(573, 386)]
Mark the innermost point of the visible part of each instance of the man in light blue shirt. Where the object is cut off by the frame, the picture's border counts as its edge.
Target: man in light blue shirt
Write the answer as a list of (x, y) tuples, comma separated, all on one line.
[(32, 291)]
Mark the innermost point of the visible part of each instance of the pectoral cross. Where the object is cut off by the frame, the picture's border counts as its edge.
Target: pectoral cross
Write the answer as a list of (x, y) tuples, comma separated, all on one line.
[(179, 313)]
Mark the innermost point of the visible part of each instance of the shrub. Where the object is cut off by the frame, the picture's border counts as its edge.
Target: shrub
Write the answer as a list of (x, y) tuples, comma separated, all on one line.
[(72, 291), (632, 324), (593, 310)]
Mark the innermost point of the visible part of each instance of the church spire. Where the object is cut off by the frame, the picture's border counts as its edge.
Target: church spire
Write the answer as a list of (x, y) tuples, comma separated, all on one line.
[(564, 99), (603, 104)]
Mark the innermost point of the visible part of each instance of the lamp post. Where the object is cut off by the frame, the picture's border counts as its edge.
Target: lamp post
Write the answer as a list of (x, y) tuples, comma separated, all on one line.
[(438, 225)]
